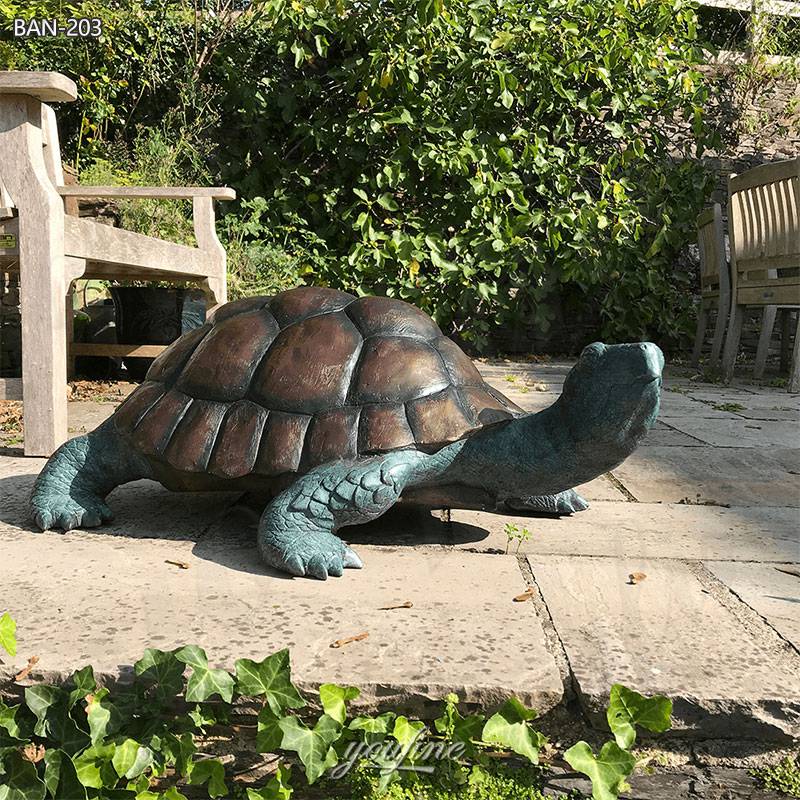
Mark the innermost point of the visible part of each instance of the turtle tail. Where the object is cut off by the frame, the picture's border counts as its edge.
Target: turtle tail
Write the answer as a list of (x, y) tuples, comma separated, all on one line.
[(70, 491)]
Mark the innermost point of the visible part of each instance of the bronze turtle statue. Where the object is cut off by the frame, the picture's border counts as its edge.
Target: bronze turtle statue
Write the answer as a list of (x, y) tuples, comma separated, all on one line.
[(337, 406)]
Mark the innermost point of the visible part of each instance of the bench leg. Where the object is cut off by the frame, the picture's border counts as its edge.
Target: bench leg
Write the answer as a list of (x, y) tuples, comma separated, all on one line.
[(794, 378), (44, 351), (719, 335), (699, 336), (764, 339), (42, 284), (732, 343), (787, 315)]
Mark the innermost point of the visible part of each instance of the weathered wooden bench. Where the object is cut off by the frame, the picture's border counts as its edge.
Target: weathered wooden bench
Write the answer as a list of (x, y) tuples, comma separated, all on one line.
[(764, 230), (715, 282), (51, 249)]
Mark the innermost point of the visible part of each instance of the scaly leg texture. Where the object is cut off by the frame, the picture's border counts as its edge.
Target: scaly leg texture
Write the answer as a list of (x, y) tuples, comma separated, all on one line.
[(71, 489), (297, 532), (567, 502)]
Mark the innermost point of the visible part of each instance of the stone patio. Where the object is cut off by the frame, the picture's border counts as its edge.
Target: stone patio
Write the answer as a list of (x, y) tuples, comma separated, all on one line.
[(708, 510)]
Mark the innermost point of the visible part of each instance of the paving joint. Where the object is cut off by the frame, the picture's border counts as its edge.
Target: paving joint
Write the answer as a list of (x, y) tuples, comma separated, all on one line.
[(678, 430), (757, 626), (553, 641), (621, 487)]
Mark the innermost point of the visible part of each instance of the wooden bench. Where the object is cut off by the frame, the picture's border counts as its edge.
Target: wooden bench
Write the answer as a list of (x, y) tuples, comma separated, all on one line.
[(764, 229), (715, 282), (51, 249)]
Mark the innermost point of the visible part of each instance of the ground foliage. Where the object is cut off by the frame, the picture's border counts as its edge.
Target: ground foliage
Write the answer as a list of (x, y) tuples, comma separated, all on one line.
[(140, 741), (482, 159)]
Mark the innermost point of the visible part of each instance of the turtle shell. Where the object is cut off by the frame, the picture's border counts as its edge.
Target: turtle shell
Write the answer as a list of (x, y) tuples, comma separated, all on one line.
[(275, 385)]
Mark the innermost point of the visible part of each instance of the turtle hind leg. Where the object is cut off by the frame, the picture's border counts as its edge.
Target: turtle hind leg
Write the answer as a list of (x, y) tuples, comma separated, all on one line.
[(70, 491), (567, 502), (297, 531)]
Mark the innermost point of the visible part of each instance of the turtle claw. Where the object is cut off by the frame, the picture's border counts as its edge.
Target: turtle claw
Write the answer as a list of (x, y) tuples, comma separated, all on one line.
[(351, 559), (65, 512), (313, 554)]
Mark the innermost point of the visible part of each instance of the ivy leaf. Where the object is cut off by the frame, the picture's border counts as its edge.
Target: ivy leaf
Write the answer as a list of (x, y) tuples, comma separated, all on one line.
[(270, 677), (334, 699), (61, 778), (269, 735), (509, 728), (202, 717), (94, 768), (407, 732), (171, 794), (21, 781), (276, 789), (204, 682), (50, 706), (453, 726), (209, 770), (628, 708), (313, 746), (8, 638), (8, 722), (83, 682), (131, 759), (160, 674), (103, 716), (178, 750), (379, 724), (607, 772), (40, 699)]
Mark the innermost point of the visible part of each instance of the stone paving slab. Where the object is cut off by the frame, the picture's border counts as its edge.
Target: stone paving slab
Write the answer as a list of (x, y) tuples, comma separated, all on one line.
[(620, 530), (736, 476), (770, 590), (737, 432), (83, 597), (143, 509), (662, 434), (669, 635)]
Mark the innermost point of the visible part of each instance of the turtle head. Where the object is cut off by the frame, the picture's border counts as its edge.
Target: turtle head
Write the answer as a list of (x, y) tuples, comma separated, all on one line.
[(612, 394)]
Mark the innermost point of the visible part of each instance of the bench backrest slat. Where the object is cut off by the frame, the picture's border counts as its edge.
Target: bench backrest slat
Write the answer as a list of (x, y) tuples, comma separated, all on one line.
[(764, 211)]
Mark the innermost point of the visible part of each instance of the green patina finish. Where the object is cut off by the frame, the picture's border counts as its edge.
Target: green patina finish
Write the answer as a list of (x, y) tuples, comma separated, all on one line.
[(516, 461)]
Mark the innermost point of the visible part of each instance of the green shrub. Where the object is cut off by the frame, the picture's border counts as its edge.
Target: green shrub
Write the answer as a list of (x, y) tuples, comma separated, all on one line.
[(479, 158)]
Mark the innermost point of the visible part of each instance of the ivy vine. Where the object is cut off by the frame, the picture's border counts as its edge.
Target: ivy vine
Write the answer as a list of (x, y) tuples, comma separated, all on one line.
[(143, 741)]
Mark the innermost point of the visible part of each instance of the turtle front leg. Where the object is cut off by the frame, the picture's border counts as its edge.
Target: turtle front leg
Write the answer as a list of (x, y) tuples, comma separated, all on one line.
[(70, 491), (296, 533)]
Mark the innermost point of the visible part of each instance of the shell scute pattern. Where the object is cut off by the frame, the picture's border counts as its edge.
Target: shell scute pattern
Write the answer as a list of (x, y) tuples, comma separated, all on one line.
[(275, 385)]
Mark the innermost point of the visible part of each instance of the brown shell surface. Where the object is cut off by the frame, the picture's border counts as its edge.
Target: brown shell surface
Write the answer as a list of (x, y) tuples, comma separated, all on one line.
[(275, 385)]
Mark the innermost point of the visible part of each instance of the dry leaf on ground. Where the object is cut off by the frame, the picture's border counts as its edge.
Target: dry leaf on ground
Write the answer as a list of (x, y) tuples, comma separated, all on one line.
[(526, 595), (181, 564), (349, 639), (23, 673), (407, 604), (33, 753), (636, 577), (10, 416)]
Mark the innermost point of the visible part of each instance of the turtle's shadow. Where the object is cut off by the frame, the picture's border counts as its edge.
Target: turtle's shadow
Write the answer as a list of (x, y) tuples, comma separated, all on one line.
[(223, 525)]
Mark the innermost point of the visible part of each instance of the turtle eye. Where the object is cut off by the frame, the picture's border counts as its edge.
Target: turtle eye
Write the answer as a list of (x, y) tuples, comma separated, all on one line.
[(592, 351)]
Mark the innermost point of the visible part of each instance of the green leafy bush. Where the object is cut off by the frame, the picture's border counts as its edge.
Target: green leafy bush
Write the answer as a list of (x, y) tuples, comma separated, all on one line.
[(483, 159), (480, 159)]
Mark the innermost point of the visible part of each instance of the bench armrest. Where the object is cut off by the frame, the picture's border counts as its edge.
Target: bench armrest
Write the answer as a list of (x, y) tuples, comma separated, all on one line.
[(161, 192), (49, 87)]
